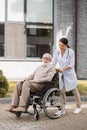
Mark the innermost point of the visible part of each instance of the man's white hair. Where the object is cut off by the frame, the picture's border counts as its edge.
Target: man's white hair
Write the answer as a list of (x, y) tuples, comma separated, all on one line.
[(47, 55)]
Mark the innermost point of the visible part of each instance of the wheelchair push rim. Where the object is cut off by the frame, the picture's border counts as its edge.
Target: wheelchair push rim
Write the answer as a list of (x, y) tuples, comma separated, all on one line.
[(52, 103)]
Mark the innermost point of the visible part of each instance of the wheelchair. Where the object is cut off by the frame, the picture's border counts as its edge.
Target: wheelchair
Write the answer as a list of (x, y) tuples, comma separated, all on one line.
[(47, 99)]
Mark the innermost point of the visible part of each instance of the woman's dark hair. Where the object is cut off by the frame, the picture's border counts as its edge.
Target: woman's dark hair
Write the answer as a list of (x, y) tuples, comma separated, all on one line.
[(64, 41)]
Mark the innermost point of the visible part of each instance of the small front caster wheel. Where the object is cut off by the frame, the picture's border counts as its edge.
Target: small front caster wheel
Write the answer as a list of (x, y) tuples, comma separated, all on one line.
[(18, 114), (36, 117)]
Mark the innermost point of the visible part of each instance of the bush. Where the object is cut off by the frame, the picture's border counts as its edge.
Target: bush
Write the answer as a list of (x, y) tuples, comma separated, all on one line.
[(3, 85)]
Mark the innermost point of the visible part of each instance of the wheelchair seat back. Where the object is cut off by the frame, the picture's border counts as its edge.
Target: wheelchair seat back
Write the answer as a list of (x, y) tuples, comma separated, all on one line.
[(47, 85)]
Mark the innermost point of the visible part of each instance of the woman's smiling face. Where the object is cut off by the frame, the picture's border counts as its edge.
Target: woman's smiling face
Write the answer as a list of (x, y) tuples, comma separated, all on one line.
[(62, 46)]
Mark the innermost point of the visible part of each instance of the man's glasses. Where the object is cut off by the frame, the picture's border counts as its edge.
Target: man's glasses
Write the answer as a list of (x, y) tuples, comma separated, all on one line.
[(45, 58)]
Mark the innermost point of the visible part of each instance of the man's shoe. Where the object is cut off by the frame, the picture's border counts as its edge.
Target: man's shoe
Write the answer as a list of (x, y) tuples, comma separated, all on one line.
[(10, 108), (77, 110), (21, 109), (60, 113)]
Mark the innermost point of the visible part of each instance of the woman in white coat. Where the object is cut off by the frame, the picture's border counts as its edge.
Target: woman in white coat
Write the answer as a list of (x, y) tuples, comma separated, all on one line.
[(67, 76)]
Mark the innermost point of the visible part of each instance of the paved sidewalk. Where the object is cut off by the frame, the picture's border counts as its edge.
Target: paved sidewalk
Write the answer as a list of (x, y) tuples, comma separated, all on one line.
[(69, 121)]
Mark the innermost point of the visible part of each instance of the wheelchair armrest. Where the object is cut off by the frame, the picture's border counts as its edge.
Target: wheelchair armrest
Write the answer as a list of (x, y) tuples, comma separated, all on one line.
[(47, 82)]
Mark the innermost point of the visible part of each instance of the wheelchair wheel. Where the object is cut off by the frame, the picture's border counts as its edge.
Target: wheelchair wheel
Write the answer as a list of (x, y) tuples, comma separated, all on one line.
[(18, 114), (52, 104), (36, 116)]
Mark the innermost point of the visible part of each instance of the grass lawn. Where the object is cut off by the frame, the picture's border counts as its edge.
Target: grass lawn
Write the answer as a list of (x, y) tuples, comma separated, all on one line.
[(11, 89), (82, 86)]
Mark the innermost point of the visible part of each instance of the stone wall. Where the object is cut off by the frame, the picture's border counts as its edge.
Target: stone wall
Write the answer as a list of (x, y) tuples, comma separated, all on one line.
[(82, 39), (64, 25), (64, 13)]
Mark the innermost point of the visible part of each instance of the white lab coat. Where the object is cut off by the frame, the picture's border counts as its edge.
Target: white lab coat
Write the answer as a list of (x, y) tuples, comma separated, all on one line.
[(68, 59)]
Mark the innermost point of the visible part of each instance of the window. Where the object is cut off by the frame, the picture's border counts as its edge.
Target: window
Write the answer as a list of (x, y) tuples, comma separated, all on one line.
[(39, 27), (2, 10), (39, 11), (2, 21), (1, 40), (15, 10), (38, 41)]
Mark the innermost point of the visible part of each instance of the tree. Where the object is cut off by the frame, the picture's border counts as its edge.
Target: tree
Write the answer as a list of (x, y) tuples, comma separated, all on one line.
[(3, 84)]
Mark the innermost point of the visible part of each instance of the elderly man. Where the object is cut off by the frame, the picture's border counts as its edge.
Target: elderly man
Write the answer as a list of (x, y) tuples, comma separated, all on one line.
[(33, 83)]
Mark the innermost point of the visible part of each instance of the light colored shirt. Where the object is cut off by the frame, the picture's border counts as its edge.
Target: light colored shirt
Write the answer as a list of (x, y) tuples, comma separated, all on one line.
[(43, 73), (68, 59)]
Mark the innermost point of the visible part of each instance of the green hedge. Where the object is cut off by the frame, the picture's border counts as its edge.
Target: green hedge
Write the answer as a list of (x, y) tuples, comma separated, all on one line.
[(4, 85)]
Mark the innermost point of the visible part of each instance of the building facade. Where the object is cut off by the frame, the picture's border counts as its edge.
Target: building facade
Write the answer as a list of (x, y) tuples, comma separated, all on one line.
[(29, 28)]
